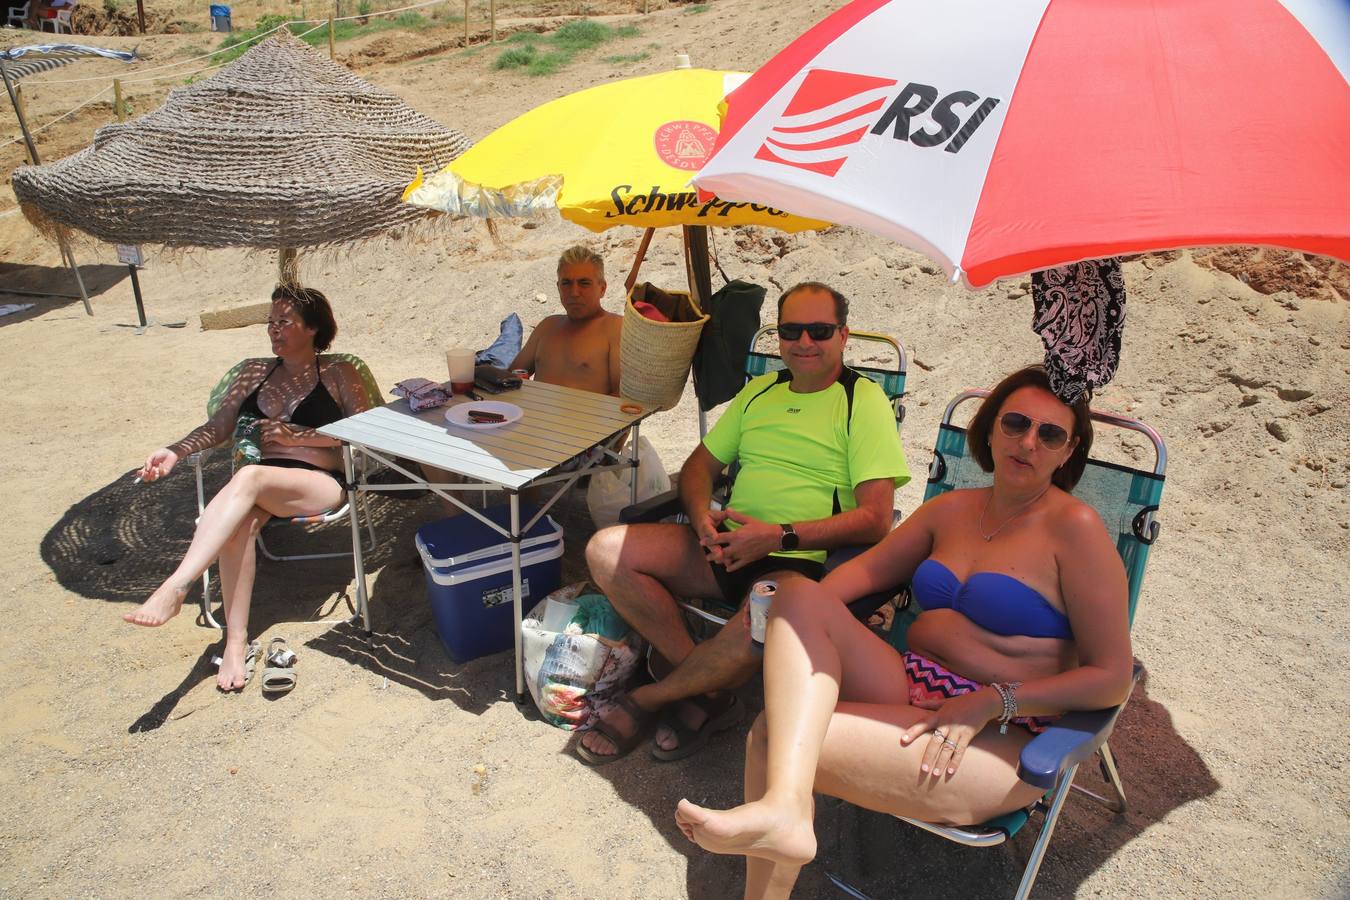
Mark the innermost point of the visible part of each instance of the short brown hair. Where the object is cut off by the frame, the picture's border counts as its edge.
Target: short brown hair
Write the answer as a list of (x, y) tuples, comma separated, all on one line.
[(978, 432), (840, 301), (314, 310), (580, 253)]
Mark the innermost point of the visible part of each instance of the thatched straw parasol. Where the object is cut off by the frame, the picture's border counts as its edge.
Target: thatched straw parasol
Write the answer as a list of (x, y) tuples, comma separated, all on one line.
[(282, 149)]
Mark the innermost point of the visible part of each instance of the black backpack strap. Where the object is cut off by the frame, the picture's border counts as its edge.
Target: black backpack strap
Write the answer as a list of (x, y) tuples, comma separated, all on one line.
[(848, 378)]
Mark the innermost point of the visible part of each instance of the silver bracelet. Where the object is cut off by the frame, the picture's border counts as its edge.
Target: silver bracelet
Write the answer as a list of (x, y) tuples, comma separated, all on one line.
[(1007, 692)]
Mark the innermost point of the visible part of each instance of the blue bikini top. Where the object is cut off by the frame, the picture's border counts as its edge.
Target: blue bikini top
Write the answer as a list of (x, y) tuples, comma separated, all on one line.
[(994, 601)]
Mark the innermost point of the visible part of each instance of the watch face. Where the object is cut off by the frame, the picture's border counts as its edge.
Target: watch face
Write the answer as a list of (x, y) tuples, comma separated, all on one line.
[(790, 539)]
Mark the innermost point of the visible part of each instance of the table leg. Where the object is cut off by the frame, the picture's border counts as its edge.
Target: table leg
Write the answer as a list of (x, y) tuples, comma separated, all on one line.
[(515, 595), (358, 563), (633, 462)]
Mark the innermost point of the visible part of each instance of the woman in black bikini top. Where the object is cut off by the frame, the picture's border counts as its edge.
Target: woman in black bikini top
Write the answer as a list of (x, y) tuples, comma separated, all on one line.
[(298, 474)]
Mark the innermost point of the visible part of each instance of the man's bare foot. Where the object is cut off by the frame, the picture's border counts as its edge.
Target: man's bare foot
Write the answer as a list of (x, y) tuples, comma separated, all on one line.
[(162, 606), (233, 673), (755, 829)]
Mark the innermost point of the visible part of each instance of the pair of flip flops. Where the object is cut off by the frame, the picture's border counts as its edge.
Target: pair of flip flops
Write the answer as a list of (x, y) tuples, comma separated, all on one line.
[(720, 713), (280, 675), (250, 662)]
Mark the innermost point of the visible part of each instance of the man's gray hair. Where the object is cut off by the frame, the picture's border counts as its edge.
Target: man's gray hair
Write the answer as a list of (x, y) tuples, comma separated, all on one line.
[(582, 254)]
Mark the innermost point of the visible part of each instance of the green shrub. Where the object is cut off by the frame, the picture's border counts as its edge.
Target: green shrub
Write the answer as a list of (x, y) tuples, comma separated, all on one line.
[(515, 58), (546, 54)]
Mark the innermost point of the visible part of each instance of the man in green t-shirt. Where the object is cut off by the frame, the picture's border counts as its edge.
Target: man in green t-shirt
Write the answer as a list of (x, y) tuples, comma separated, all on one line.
[(820, 460)]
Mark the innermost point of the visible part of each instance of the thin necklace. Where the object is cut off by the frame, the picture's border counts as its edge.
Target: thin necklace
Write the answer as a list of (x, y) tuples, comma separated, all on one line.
[(1026, 506)]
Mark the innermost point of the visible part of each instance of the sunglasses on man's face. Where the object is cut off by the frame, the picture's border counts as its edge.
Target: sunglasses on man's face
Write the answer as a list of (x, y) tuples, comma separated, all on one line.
[(819, 331), (1050, 436)]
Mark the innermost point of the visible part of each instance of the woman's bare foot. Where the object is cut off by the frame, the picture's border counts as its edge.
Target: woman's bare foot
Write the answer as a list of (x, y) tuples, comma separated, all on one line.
[(757, 829), (233, 672), (162, 606)]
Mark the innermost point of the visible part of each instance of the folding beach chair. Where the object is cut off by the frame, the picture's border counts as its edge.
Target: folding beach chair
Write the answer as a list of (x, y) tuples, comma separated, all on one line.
[(337, 514), (1127, 499), (879, 357)]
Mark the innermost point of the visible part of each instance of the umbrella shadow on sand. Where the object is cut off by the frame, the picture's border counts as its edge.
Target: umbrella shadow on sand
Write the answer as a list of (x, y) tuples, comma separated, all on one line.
[(119, 543), (883, 857), (58, 280)]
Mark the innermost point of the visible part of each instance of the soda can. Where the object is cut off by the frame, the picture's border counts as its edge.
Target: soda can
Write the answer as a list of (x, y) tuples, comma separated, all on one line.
[(761, 598)]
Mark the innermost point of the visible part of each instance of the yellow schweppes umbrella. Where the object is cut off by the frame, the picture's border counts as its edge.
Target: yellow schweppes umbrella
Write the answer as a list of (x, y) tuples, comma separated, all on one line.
[(616, 154)]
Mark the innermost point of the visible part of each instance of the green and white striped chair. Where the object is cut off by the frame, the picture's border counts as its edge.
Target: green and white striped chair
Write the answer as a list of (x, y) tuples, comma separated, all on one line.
[(338, 513)]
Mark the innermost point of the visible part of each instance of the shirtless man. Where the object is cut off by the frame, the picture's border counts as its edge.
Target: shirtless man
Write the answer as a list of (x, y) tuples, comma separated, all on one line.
[(579, 349)]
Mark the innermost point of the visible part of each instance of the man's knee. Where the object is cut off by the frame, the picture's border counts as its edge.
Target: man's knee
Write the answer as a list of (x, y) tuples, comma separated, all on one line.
[(603, 552)]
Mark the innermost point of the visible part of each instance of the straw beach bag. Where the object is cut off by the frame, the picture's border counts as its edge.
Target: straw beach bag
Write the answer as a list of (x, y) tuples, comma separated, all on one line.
[(655, 356)]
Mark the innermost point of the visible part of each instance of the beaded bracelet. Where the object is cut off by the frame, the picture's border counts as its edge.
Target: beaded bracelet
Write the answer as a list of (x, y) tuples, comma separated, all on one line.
[(1007, 692)]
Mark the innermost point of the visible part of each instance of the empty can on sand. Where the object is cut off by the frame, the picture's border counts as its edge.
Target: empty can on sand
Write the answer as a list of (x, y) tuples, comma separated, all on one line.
[(761, 597)]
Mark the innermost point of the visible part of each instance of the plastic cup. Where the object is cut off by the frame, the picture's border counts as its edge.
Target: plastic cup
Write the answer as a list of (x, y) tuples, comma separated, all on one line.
[(459, 360), (557, 613)]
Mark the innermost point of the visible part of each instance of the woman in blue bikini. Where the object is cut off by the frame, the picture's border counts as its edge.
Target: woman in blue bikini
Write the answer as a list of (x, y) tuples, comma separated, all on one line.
[(280, 402), (1024, 601)]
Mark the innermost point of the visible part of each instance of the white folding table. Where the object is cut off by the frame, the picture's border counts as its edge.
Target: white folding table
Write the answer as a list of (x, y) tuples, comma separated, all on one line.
[(558, 424)]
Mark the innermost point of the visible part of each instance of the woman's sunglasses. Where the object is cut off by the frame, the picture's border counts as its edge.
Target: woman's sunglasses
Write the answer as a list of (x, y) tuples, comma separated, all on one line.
[(819, 331), (1050, 436)]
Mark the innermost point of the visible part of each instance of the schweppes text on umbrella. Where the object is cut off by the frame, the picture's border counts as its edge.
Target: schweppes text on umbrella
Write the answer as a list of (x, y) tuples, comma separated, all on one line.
[(628, 203)]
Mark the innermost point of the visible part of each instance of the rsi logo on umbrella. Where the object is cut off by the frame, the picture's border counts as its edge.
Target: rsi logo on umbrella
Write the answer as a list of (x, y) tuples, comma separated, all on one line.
[(848, 100)]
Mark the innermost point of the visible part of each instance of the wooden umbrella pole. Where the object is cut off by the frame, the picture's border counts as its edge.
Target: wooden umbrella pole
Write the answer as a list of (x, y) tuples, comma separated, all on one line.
[(288, 266), (696, 264), (66, 256)]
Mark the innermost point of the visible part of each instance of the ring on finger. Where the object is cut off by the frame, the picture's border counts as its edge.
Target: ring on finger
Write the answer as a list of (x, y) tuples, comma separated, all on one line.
[(940, 734), (947, 743)]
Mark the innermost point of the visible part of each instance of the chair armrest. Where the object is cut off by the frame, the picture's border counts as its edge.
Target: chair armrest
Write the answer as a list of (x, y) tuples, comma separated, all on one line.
[(662, 506), (1071, 740), (653, 509)]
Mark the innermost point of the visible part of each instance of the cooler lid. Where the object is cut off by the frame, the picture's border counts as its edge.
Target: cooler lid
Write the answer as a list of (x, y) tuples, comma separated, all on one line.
[(464, 539)]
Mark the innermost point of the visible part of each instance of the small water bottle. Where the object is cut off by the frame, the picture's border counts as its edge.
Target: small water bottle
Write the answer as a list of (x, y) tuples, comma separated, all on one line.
[(761, 598)]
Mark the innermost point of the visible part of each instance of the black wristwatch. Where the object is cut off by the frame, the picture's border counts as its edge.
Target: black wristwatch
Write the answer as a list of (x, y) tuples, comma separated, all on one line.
[(790, 539)]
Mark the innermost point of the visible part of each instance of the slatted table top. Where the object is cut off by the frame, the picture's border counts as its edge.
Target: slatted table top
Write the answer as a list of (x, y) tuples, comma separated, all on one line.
[(558, 423)]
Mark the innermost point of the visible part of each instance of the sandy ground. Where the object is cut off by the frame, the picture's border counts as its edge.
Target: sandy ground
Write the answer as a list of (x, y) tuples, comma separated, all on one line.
[(124, 771)]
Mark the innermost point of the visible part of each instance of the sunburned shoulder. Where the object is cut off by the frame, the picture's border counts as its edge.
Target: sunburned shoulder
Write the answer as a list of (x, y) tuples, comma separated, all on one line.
[(1076, 521)]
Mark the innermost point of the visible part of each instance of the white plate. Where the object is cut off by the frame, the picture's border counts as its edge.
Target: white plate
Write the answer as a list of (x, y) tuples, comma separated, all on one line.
[(458, 414)]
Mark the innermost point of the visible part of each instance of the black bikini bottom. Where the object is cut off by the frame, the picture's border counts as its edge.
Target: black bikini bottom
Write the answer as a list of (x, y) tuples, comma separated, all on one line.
[(282, 463)]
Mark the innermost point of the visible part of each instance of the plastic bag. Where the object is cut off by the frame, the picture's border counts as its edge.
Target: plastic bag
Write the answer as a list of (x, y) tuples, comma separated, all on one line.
[(570, 672), (609, 491)]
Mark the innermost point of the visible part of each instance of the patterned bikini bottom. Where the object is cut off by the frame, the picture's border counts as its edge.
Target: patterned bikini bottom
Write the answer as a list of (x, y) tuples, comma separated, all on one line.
[(930, 684)]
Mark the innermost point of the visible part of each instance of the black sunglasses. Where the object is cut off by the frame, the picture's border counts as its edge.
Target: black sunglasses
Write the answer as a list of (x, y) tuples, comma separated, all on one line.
[(819, 331), (1050, 436)]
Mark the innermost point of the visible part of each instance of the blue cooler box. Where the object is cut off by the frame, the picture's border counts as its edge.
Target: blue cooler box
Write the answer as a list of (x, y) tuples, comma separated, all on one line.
[(468, 570)]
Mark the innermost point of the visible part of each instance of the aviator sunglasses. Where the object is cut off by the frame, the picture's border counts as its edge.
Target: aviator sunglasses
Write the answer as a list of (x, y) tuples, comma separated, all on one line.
[(819, 331), (1050, 436)]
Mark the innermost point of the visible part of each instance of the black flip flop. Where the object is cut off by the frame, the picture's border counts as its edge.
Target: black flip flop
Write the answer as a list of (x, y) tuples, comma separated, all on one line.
[(642, 721), (692, 740)]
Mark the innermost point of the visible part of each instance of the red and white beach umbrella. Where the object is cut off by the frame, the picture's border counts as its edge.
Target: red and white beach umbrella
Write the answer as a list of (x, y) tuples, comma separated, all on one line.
[(1005, 137)]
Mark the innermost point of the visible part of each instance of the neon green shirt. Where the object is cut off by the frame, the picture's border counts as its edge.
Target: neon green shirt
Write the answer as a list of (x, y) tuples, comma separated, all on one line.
[(798, 451)]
